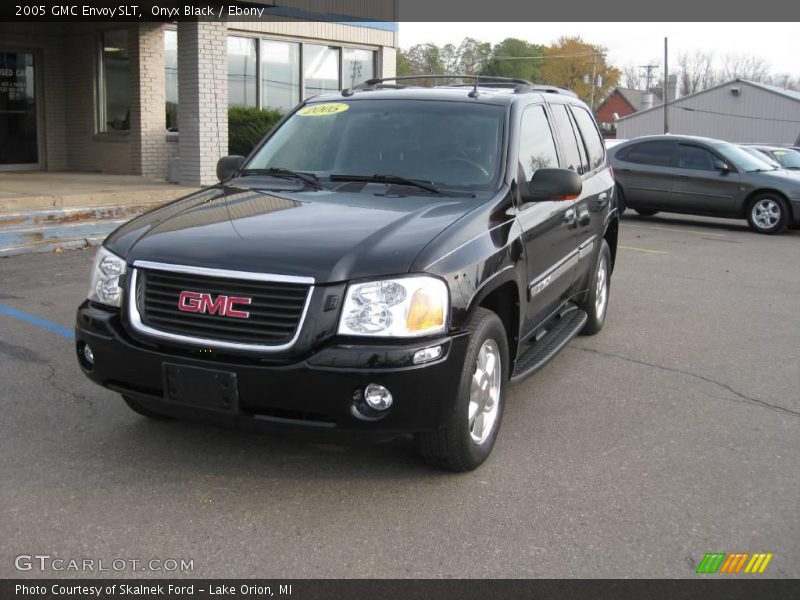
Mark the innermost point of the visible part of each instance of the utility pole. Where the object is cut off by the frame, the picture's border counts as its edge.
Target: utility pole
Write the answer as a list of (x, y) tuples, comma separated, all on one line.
[(594, 79), (666, 86), (649, 77)]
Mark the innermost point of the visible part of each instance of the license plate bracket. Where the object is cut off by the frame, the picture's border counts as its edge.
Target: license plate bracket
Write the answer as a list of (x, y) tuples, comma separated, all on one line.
[(200, 387)]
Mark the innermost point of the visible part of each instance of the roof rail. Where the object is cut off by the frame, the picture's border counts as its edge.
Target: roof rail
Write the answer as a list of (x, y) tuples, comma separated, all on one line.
[(547, 89), (520, 86), (479, 78), (371, 84)]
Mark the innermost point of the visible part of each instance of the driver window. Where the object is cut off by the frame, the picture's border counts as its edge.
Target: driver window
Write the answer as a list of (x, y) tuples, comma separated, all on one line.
[(536, 146), (694, 157)]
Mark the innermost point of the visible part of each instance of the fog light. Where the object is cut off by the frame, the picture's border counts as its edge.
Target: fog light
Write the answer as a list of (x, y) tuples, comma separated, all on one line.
[(427, 354), (88, 355), (377, 397)]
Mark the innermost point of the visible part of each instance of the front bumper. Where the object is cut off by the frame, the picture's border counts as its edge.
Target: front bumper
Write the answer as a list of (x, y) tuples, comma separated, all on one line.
[(314, 393)]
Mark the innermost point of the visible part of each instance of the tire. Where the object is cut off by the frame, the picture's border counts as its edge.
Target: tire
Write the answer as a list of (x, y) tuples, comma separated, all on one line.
[(646, 212), (621, 204), (138, 407), (461, 444), (596, 303), (767, 213)]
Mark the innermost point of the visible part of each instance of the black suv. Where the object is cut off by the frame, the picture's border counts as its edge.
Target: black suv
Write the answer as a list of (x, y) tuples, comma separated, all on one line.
[(385, 262)]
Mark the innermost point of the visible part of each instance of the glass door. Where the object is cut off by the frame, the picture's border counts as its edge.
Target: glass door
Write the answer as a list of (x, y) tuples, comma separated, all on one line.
[(19, 143)]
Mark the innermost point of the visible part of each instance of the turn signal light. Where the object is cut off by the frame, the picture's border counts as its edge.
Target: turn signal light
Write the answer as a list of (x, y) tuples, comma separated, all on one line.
[(425, 312)]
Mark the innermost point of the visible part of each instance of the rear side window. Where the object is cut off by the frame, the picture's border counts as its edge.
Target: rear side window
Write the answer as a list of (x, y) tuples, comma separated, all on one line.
[(591, 137), (566, 135), (536, 146), (658, 154), (694, 157)]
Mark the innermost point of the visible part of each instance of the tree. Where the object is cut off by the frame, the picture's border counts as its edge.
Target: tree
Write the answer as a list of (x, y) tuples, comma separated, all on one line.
[(516, 58), (473, 56), (631, 77), (696, 72), (422, 59), (403, 64), (738, 66), (571, 63)]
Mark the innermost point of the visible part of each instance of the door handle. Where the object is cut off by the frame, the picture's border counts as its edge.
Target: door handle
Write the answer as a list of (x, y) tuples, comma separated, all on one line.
[(569, 216), (602, 199)]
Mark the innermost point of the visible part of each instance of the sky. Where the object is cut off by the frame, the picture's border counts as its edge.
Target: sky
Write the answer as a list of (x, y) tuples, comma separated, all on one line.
[(633, 43)]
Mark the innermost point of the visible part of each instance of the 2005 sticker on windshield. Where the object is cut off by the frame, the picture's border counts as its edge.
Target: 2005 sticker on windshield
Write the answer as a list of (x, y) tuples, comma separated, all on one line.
[(323, 110)]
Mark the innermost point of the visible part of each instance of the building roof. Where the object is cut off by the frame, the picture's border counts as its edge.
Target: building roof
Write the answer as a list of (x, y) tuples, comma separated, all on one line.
[(790, 94)]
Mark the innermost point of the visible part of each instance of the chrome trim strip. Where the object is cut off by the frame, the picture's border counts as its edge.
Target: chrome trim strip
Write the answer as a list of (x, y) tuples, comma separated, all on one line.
[(146, 264), (562, 267), (586, 248), (139, 326)]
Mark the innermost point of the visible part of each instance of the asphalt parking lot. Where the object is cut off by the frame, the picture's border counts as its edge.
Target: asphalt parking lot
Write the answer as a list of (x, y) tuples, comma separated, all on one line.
[(672, 433)]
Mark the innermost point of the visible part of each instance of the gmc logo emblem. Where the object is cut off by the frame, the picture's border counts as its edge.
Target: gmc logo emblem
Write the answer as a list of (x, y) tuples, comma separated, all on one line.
[(200, 302)]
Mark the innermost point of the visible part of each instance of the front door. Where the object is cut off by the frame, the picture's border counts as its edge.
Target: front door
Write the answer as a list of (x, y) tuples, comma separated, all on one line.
[(19, 131), (700, 186)]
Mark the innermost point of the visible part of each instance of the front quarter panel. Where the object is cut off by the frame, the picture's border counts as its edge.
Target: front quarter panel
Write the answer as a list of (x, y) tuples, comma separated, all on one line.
[(483, 252)]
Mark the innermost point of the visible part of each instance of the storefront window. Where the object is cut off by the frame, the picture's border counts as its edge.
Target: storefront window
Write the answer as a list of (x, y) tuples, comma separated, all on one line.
[(115, 113), (242, 86), (171, 78), (320, 69), (280, 74), (357, 66)]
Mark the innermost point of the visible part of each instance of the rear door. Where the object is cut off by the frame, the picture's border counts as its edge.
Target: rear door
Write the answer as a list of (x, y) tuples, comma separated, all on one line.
[(699, 185), (592, 206), (549, 232), (646, 174)]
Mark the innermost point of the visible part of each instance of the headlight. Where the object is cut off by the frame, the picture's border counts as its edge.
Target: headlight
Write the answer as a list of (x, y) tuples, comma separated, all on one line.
[(107, 270), (402, 307)]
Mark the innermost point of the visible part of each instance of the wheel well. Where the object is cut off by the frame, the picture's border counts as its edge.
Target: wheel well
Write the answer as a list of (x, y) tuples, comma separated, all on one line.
[(755, 193), (610, 236), (504, 302)]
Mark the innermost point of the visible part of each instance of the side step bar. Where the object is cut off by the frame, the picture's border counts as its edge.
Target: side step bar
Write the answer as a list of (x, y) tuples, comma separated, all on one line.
[(560, 332)]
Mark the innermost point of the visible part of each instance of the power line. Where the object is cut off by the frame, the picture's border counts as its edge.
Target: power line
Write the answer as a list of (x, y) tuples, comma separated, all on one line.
[(722, 114), (586, 54)]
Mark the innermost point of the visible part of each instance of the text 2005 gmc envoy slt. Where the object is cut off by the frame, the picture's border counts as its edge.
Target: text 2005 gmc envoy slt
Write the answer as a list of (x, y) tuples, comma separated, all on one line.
[(385, 262)]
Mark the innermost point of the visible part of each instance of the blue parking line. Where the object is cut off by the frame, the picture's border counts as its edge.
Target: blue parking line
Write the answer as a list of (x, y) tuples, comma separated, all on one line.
[(38, 321)]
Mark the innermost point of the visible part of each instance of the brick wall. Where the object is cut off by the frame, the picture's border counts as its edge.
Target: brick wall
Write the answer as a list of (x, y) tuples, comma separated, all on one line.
[(150, 149), (203, 98)]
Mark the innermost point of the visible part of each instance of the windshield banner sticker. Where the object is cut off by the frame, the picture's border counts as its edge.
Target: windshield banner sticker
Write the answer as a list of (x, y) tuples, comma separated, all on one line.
[(323, 110)]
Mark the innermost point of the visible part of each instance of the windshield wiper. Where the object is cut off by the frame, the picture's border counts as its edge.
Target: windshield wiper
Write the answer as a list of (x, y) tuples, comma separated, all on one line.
[(308, 178), (418, 183)]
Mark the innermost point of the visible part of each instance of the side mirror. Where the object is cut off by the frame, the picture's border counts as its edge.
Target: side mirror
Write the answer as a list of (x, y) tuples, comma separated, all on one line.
[(721, 165), (228, 165), (552, 184)]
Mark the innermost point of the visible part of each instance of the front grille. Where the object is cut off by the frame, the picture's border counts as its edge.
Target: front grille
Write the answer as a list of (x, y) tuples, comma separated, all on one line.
[(275, 311)]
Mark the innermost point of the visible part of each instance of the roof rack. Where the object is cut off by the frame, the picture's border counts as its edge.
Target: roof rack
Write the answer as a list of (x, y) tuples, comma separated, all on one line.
[(520, 86)]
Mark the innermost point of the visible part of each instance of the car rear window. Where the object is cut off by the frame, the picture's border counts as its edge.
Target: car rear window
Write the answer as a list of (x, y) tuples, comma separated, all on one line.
[(655, 153), (591, 137)]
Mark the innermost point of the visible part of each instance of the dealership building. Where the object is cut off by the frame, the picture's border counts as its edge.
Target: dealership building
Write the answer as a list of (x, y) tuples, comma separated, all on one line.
[(152, 99)]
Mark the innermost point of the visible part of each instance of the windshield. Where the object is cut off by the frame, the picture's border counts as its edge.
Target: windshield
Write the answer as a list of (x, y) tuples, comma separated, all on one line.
[(788, 158), (742, 159), (454, 145), (761, 156)]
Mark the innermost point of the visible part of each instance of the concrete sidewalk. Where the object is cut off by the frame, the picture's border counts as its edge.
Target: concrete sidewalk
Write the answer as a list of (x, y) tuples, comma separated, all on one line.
[(31, 190), (41, 211)]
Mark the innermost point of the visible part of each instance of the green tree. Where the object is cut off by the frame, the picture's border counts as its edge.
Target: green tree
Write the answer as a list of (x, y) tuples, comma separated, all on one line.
[(516, 58), (473, 56)]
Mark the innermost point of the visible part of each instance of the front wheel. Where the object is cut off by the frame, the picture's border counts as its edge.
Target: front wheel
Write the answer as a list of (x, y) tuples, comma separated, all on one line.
[(596, 301), (471, 427), (767, 213)]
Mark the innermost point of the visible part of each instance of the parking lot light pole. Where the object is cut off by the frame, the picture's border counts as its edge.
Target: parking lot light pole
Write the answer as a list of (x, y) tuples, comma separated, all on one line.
[(666, 86)]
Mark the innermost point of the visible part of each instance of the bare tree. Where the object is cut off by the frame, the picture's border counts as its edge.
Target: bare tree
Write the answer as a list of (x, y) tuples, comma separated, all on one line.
[(631, 77), (739, 66), (696, 72)]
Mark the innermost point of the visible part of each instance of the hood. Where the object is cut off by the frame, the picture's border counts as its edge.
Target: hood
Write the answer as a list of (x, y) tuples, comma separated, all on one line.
[(328, 235)]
